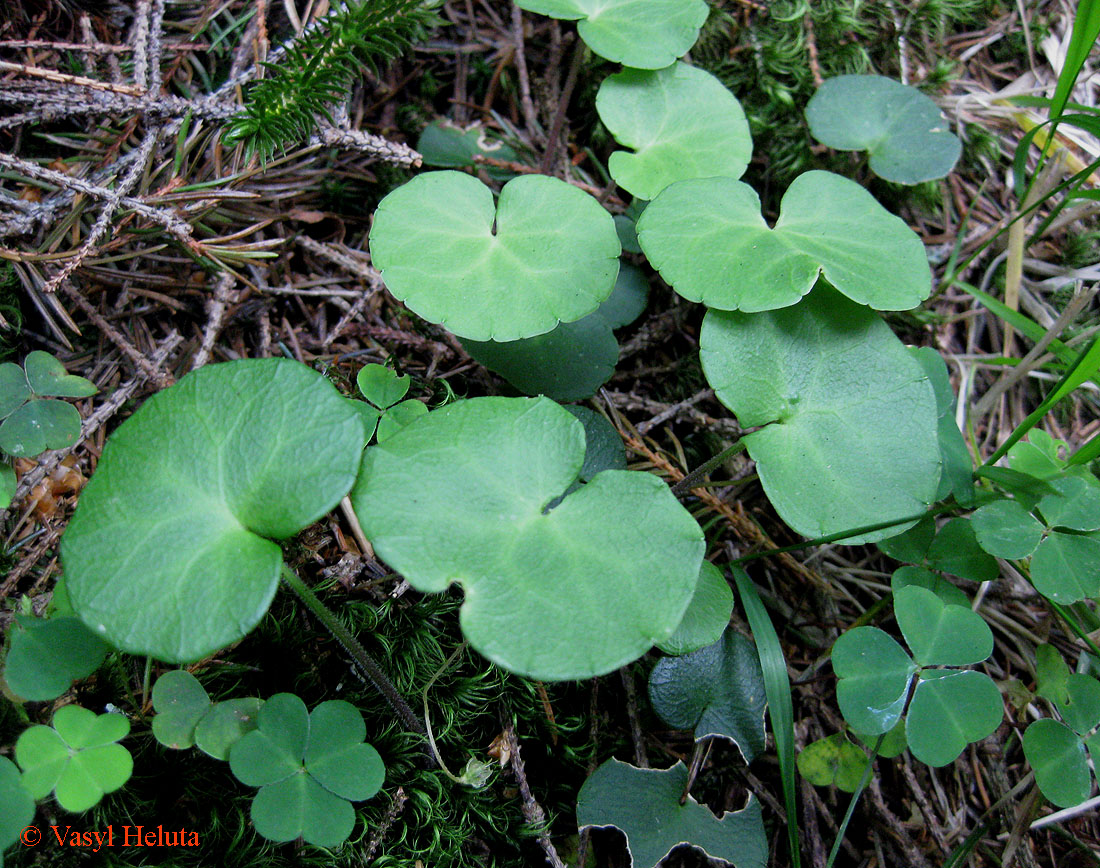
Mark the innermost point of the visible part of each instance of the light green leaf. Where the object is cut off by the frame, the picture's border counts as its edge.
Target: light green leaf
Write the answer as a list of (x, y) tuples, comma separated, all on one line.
[(451, 147), (891, 745), (710, 243), (910, 576), (546, 253), (941, 634), (874, 673), (8, 484), (680, 122), (46, 656), (1081, 707), (905, 133), (1006, 530), (1051, 674), (849, 436), (1075, 506), (166, 553), (225, 724), (40, 424), (644, 34), (1058, 757), (950, 709), (180, 702), (1066, 568), (574, 592), (381, 385), (14, 390), (398, 416), (957, 477), (833, 760), (715, 691), (707, 615), (47, 377), (645, 805), (18, 804)]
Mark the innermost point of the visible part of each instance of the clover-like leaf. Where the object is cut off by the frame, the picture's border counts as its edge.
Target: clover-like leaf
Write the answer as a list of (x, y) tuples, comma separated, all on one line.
[(644, 34), (1066, 567), (681, 122), (225, 724), (957, 477), (46, 656), (77, 758), (309, 767), (180, 702), (711, 244), (849, 418), (47, 377), (448, 146), (938, 633), (874, 673), (1040, 455), (909, 576), (18, 805), (955, 550), (904, 132), (398, 416), (645, 805), (546, 253), (40, 424), (707, 615), (571, 591), (910, 547), (949, 710), (1061, 765), (381, 385), (603, 447), (1076, 505), (168, 553), (1006, 530), (715, 691), (14, 389), (833, 760), (1080, 709), (1051, 674)]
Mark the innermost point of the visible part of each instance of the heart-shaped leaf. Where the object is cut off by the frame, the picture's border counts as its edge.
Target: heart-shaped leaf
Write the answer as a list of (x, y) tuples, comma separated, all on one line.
[(18, 805), (1066, 567), (381, 385), (46, 656), (681, 122), (40, 424), (874, 673), (398, 416), (47, 377), (14, 389), (1081, 707), (707, 615), (941, 634), (77, 757), (180, 702), (299, 807), (572, 592), (833, 760), (955, 550), (225, 724), (450, 147), (710, 243), (546, 253), (905, 577), (957, 477), (644, 34), (715, 691), (1006, 530), (1051, 674), (603, 447), (1061, 766), (166, 553), (1076, 504), (905, 133), (849, 436), (950, 709), (274, 750), (645, 804), (336, 755)]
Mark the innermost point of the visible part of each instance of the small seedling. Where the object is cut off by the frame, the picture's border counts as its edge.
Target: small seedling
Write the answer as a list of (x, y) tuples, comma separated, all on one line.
[(309, 767), (78, 758), (650, 808), (707, 615), (903, 131), (833, 761), (680, 123), (384, 389)]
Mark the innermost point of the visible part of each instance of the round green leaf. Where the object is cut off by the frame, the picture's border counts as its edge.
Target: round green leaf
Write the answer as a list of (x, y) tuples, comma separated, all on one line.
[(644, 34), (381, 385), (40, 424), (645, 804), (680, 122), (274, 750), (166, 553), (1058, 757), (14, 390), (832, 760), (909, 576), (1081, 707), (603, 447), (336, 756), (1066, 568), (710, 243), (18, 804), (905, 133), (938, 633), (717, 690), (546, 253), (225, 724), (949, 710), (82, 728), (874, 673), (47, 376), (298, 806), (628, 299), (398, 416), (707, 615), (849, 419), (1006, 530), (46, 656), (572, 592), (1075, 506), (180, 702)]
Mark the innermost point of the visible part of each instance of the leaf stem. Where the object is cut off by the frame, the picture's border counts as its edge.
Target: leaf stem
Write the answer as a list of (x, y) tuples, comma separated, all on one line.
[(427, 720), (688, 482)]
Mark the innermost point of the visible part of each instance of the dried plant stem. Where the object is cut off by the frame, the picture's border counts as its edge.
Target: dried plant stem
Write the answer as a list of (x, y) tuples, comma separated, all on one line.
[(532, 810)]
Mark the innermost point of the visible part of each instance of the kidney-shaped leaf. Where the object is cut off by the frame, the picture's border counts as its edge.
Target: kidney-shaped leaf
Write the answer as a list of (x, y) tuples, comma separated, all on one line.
[(644, 34), (939, 633), (546, 253), (951, 709), (461, 495), (904, 132), (710, 242), (645, 805), (717, 690), (849, 436), (1061, 766), (46, 656), (707, 615), (681, 123), (874, 673), (166, 554)]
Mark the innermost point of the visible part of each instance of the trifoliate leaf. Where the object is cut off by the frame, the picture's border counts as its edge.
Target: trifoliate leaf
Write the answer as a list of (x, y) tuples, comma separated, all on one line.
[(40, 424), (833, 760), (180, 702)]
